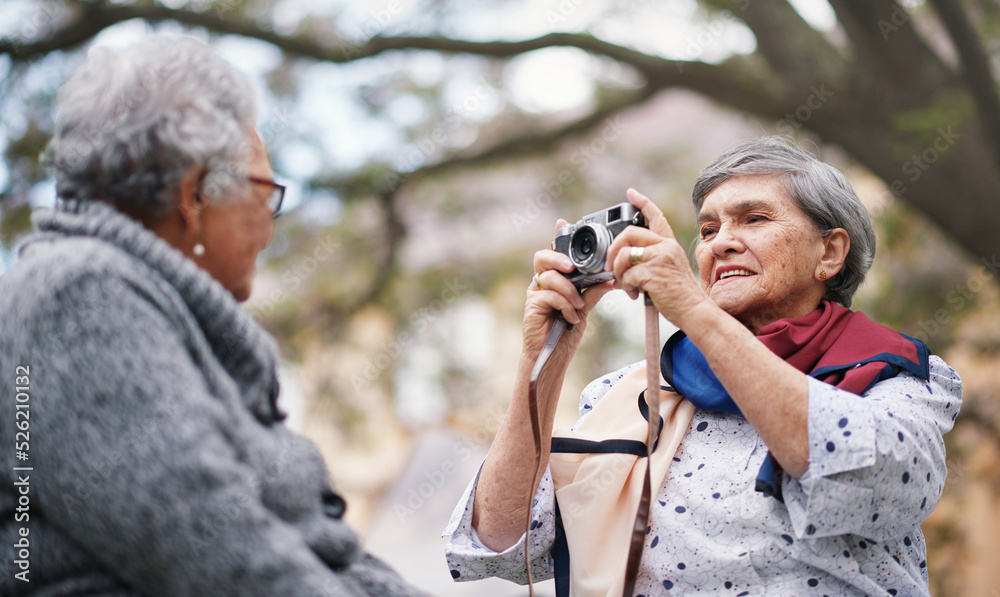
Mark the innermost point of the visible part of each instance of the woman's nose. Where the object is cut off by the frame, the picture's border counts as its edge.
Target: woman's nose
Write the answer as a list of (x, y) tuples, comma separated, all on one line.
[(726, 240)]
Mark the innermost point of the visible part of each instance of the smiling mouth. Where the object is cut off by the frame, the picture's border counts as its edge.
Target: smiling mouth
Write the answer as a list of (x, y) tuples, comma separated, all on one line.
[(733, 273)]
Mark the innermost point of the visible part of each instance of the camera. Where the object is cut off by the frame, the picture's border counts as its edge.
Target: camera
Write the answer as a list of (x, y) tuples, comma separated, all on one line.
[(586, 242)]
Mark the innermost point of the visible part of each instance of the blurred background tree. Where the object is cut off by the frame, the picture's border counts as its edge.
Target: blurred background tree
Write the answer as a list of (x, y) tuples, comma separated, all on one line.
[(431, 145)]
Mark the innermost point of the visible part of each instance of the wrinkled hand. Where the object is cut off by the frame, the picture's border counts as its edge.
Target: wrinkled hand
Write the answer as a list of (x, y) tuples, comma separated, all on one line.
[(557, 294), (664, 273)]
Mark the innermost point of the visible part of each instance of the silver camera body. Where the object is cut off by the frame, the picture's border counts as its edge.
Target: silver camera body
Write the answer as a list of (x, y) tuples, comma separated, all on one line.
[(587, 242)]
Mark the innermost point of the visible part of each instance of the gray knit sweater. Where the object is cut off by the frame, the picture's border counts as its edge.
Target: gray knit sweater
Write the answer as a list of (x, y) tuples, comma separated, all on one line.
[(160, 463)]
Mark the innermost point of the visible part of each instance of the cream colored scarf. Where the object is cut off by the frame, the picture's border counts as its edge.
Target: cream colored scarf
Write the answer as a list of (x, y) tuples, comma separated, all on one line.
[(599, 494)]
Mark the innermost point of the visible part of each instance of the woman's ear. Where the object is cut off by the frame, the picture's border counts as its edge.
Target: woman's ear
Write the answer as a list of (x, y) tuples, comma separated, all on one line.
[(836, 245), (190, 201)]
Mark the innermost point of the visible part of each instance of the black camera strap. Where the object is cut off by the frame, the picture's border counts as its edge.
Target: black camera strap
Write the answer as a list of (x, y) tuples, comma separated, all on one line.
[(559, 326)]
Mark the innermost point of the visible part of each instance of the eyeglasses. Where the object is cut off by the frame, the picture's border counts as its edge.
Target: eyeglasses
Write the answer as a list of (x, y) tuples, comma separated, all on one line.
[(274, 199), (277, 193)]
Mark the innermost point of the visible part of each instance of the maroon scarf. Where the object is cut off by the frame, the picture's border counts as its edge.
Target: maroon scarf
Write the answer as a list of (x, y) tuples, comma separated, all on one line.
[(832, 343)]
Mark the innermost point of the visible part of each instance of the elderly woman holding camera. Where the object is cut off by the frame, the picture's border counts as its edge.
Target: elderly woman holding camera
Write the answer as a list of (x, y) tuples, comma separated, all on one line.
[(816, 447), (159, 461)]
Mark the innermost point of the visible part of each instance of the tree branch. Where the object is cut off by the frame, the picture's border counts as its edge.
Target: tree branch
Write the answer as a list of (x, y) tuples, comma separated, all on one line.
[(802, 55), (887, 47), (729, 83), (518, 145), (975, 68), (96, 17)]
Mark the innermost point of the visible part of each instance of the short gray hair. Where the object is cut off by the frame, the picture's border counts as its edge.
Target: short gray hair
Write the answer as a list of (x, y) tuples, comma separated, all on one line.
[(817, 188), (130, 122)]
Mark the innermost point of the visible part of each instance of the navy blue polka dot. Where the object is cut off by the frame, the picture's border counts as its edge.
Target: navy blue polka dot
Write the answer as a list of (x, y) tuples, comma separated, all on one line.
[(900, 436), (788, 538), (729, 585), (906, 478), (668, 585), (716, 495), (813, 582), (702, 426), (681, 566), (842, 423), (656, 541), (874, 517), (906, 541), (680, 509), (811, 529), (830, 447), (455, 574)]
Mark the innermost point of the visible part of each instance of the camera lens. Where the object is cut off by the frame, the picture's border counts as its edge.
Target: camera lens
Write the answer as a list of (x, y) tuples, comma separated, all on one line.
[(589, 247), (583, 244)]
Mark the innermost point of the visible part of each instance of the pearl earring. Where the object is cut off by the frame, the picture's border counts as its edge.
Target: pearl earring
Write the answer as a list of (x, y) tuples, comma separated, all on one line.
[(199, 249)]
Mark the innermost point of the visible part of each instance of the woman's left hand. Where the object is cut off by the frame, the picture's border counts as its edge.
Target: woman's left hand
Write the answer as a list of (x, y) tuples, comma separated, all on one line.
[(664, 271)]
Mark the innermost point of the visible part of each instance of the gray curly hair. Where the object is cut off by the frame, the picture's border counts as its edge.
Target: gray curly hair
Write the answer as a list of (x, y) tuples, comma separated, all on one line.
[(131, 122), (817, 188)]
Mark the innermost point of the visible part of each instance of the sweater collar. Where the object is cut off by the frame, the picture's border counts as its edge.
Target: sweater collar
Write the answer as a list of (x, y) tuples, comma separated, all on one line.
[(243, 348)]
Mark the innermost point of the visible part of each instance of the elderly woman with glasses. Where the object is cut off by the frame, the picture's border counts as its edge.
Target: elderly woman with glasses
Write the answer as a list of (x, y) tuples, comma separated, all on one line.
[(802, 442), (153, 459)]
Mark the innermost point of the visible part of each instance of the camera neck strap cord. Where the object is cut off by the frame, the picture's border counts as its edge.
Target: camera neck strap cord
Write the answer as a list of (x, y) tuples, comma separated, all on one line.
[(559, 326)]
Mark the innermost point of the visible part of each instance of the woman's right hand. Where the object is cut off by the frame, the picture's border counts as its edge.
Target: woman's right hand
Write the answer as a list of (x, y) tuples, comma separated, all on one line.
[(555, 293)]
